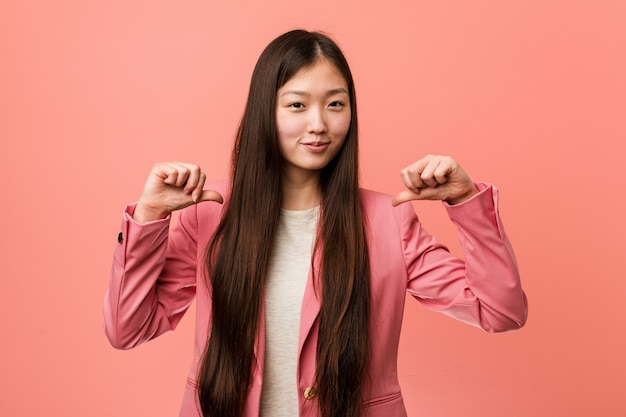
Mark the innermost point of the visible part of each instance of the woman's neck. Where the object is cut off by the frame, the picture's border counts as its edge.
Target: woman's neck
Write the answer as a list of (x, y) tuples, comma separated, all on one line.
[(301, 194)]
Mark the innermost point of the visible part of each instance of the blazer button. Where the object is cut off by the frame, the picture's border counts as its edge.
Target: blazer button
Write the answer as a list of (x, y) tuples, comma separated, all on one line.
[(309, 393), (120, 237)]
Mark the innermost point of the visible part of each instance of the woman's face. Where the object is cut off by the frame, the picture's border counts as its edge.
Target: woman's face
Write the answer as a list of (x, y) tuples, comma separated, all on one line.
[(313, 118)]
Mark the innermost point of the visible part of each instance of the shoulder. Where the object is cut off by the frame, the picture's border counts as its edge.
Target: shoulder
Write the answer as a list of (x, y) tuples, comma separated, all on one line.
[(374, 198)]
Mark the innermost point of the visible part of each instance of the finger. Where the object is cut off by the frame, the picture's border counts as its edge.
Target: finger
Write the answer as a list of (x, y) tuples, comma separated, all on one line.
[(411, 178), (421, 164), (428, 173), (169, 173), (412, 174), (404, 196), (429, 180), (182, 173), (195, 180), (441, 173), (196, 193), (435, 193), (423, 194), (164, 171), (210, 195)]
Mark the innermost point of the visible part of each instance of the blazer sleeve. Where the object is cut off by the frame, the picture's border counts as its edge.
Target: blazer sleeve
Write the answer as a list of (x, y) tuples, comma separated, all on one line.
[(153, 278), (484, 289)]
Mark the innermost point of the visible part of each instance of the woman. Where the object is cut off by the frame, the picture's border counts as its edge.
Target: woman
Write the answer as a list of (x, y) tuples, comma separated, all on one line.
[(300, 276)]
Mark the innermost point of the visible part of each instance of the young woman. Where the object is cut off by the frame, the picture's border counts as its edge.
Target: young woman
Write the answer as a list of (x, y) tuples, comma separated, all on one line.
[(300, 276)]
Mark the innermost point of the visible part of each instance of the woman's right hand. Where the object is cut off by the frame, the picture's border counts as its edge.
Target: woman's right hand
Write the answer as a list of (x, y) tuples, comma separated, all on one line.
[(172, 186)]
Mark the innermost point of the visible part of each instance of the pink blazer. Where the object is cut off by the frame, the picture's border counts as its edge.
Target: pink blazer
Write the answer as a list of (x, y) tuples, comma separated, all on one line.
[(157, 271)]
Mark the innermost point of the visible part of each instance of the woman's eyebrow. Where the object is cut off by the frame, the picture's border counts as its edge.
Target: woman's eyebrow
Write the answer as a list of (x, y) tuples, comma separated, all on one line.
[(332, 92), (339, 90)]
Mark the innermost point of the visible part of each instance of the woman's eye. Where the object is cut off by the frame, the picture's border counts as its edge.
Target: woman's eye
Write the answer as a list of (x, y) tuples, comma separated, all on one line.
[(296, 105), (336, 104)]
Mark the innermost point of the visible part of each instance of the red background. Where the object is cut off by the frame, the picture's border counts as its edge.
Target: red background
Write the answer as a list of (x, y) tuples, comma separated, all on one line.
[(528, 95)]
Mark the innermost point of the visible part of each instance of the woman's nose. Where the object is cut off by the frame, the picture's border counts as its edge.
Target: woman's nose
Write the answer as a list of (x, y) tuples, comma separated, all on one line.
[(316, 121)]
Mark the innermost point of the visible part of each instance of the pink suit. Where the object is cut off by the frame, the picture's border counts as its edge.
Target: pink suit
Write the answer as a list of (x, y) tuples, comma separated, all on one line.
[(157, 272)]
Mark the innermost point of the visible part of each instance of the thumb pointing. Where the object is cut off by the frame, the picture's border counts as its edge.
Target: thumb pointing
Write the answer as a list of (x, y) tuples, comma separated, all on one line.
[(404, 196), (210, 195)]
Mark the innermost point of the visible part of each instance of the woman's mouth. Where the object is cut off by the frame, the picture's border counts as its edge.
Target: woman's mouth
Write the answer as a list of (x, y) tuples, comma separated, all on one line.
[(316, 146)]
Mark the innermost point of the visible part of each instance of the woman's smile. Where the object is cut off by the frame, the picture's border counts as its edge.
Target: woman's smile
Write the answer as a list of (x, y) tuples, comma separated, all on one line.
[(316, 146)]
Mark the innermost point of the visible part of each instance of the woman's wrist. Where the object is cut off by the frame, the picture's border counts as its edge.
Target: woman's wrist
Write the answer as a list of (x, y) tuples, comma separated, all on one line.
[(464, 197), (145, 213)]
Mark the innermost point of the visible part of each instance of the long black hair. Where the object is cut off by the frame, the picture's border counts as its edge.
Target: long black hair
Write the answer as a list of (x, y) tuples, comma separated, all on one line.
[(238, 254)]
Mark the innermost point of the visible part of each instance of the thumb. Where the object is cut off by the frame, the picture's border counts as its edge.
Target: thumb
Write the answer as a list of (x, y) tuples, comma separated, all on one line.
[(209, 195), (404, 196), (426, 193)]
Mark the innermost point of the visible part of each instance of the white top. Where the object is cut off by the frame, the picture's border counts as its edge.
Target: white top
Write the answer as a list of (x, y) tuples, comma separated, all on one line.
[(290, 263)]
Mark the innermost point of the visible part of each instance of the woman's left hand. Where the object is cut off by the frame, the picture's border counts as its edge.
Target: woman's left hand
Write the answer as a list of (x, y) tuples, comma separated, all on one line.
[(435, 177)]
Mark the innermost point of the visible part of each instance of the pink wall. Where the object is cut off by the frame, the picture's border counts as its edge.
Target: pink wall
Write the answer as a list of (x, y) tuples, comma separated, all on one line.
[(528, 95)]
